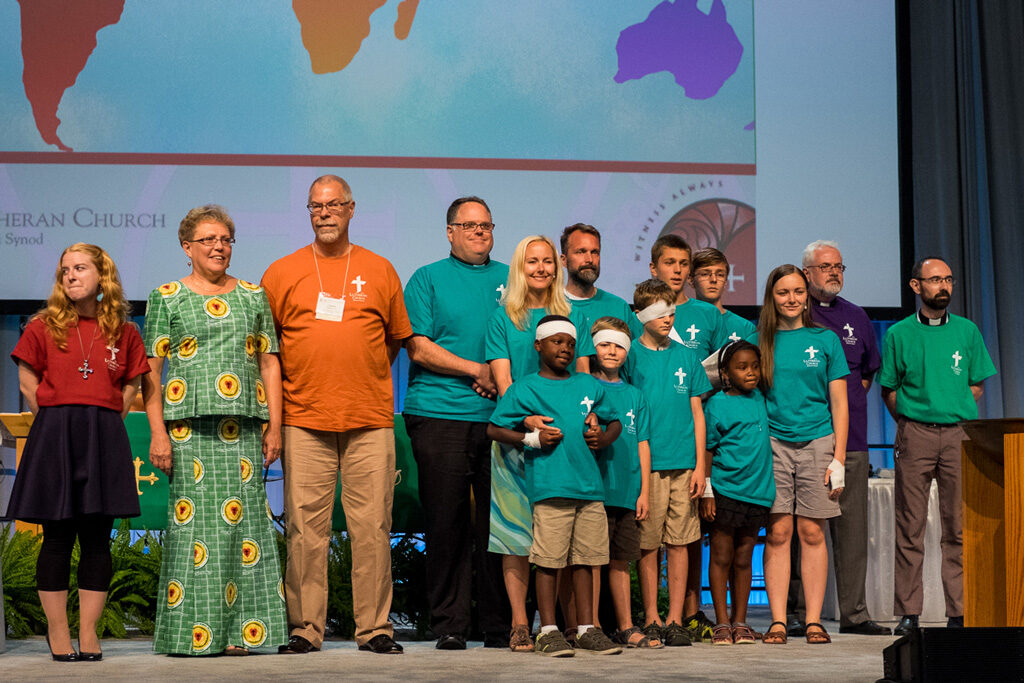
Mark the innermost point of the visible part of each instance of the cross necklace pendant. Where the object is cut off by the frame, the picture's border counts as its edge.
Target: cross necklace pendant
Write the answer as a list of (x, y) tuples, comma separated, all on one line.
[(84, 368)]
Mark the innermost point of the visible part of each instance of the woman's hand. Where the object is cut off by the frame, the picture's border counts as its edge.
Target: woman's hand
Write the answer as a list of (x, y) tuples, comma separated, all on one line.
[(271, 445), (160, 455)]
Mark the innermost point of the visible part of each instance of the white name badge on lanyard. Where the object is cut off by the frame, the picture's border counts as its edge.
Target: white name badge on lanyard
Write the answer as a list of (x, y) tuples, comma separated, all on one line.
[(329, 308)]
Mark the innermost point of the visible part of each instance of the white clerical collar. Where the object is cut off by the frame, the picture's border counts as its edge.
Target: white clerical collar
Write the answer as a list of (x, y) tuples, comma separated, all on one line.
[(941, 320)]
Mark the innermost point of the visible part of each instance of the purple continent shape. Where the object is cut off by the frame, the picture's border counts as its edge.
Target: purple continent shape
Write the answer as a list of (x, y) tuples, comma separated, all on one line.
[(700, 50)]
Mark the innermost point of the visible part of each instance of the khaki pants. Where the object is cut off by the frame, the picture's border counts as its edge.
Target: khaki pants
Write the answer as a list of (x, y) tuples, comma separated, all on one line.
[(311, 462), (926, 452)]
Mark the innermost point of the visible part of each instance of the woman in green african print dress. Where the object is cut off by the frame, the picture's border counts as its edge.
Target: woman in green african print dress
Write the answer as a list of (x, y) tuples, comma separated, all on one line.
[(220, 578)]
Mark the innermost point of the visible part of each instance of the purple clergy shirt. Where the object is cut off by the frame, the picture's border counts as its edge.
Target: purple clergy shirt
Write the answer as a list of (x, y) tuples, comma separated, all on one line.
[(854, 328)]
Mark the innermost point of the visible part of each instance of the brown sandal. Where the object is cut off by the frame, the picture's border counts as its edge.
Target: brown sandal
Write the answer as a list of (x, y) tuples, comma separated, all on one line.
[(771, 637), (817, 637), (519, 640)]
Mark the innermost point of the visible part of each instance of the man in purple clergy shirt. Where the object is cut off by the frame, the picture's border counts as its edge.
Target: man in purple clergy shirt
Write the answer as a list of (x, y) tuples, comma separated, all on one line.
[(823, 265)]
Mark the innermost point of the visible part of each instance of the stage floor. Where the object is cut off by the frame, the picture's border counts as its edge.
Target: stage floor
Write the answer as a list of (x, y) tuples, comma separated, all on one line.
[(848, 658)]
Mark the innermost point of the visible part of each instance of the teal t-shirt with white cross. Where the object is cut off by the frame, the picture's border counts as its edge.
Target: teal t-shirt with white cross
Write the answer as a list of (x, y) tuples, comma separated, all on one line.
[(668, 379), (449, 302), (700, 327), (568, 469), (932, 368), (736, 327), (806, 360), (600, 305), (741, 464), (505, 340), (620, 462)]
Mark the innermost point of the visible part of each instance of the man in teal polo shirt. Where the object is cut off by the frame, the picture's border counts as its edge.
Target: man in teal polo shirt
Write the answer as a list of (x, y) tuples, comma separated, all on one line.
[(581, 256), (447, 408), (933, 366)]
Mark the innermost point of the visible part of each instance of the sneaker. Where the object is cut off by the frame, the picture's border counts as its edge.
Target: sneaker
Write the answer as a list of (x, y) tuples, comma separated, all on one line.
[(553, 644), (596, 642), (675, 635), (699, 628)]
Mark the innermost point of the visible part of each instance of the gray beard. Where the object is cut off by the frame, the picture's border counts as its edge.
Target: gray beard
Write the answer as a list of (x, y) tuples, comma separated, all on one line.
[(584, 278)]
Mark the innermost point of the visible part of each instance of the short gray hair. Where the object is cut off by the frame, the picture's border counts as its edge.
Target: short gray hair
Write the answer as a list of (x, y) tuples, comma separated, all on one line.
[(815, 246)]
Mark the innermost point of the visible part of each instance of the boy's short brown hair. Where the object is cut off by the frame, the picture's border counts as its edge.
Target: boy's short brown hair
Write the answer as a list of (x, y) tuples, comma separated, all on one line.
[(707, 257), (649, 291), (609, 322), (670, 241)]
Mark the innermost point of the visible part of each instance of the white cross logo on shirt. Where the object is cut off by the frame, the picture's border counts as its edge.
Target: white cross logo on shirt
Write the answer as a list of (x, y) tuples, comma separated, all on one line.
[(810, 350), (957, 358), (587, 402), (734, 337), (500, 289), (359, 282), (681, 375), (849, 329), (693, 330), (632, 418)]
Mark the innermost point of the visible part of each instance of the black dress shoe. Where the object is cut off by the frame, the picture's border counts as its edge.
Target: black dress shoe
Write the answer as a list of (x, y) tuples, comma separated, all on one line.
[(297, 645), (867, 628), (794, 628), (70, 657), (451, 641), (382, 645), (90, 656), (955, 622), (907, 624), (496, 639)]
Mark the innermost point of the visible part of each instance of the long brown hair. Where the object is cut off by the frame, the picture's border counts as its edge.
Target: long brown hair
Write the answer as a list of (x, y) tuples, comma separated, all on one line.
[(59, 315), (768, 325)]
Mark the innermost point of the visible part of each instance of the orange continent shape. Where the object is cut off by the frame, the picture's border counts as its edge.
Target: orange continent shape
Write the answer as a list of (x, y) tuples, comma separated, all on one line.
[(333, 32)]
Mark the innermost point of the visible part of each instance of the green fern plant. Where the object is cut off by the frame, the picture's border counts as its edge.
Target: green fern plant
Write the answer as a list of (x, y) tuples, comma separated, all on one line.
[(18, 553)]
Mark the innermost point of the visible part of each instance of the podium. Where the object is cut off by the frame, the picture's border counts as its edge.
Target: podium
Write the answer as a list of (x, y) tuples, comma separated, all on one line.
[(993, 522), (14, 429)]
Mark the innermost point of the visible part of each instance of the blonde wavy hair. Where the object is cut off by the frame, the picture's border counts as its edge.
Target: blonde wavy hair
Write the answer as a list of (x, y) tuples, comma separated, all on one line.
[(514, 299), (59, 314)]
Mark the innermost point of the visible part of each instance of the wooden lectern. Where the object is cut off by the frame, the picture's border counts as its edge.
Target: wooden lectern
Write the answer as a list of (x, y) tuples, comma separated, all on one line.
[(993, 524), (13, 431)]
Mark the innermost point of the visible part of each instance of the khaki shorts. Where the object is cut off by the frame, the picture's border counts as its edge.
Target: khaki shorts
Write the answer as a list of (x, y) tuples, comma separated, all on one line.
[(800, 486), (673, 518), (567, 532)]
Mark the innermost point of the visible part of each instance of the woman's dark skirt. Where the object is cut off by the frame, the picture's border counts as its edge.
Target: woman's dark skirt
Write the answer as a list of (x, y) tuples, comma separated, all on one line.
[(77, 461)]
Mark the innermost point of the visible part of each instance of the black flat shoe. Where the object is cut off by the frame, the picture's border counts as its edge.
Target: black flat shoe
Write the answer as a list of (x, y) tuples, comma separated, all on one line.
[(794, 629), (297, 645), (382, 645), (451, 641), (867, 628), (70, 657), (907, 624)]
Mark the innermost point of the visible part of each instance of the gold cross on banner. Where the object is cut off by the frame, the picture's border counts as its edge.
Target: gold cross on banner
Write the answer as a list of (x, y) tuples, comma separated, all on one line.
[(151, 477)]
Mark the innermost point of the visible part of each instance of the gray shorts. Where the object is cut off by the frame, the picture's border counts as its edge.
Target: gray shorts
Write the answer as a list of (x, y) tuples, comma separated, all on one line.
[(800, 486)]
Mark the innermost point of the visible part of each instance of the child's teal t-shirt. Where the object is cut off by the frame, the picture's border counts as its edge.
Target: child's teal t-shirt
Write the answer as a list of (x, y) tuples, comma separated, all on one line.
[(449, 302), (668, 379), (569, 469), (620, 462), (806, 360), (698, 325), (505, 340), (741, 465), (736, 327)]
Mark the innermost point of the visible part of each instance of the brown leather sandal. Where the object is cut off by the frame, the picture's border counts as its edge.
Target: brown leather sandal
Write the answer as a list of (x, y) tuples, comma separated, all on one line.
[(771, 637), (519, 640), (817, 637)]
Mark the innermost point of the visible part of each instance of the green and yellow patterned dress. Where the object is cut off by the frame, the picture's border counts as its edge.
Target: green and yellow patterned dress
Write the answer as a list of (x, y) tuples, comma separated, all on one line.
[(221, 577)]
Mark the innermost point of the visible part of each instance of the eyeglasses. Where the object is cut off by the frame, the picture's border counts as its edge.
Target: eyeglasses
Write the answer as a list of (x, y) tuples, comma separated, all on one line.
[(710, 275), (212, 240), (829, 267), (333, 206), (473, 227), (937, 280)]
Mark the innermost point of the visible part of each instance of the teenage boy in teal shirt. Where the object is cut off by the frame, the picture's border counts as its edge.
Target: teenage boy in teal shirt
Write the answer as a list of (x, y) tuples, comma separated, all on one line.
[(672, 379), (563, 480)]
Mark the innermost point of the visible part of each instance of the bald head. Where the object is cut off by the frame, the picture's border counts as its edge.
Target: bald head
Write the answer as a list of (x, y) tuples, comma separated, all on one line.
[(331, 179)]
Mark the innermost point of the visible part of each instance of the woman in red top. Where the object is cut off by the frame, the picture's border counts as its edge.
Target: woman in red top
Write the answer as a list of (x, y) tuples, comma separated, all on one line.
[(80, 363)]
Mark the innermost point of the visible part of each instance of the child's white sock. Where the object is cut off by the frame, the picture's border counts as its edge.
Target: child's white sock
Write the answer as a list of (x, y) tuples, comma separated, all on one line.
[(583, 628), (549, 628)]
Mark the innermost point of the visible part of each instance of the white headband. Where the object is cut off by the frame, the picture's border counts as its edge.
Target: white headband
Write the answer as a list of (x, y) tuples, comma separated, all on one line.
[(659, 309), (613, 336), (551, 327)]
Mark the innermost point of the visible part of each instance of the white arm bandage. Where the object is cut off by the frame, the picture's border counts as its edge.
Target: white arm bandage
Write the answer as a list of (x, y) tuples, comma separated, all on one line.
[(532, 439), (708, 492)]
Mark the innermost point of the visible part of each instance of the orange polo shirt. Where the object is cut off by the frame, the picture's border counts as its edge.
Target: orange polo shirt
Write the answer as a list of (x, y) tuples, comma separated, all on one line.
[(336, 374)]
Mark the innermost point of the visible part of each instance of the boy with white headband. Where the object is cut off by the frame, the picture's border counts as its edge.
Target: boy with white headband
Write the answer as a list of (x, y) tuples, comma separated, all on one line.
[(672, 379), (626, 470), (563, 481)]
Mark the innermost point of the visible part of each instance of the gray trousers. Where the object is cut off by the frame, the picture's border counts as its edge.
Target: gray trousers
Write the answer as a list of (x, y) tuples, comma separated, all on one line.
[(849, 534), (926, 452)]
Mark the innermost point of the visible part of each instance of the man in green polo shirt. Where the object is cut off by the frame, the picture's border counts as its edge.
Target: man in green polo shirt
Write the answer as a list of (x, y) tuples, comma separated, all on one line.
[(933, 366), (581, 256), (447, 408)]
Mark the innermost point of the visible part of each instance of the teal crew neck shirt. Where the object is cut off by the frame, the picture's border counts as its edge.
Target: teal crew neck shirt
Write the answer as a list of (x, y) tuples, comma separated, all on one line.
[(600, 305), (736, 327), (668, 379), (449, 302), (569, 469), (806, 360), (738, 433), (932, 368), (505, 340), (620, 462)]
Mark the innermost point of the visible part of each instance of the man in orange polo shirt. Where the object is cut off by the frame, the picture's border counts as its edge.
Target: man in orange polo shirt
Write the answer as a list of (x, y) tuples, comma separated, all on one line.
[(341, 318)]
